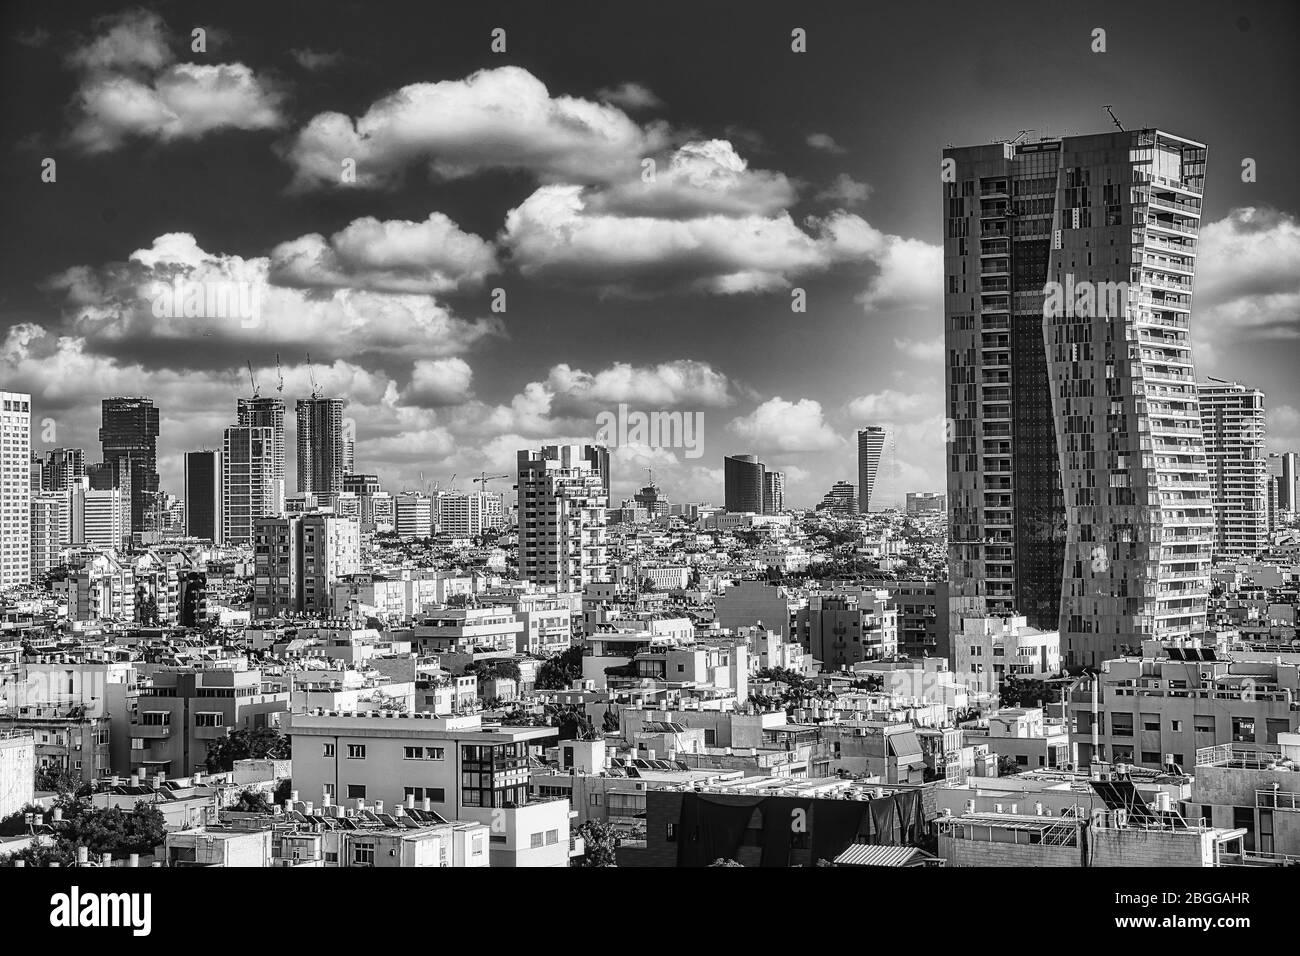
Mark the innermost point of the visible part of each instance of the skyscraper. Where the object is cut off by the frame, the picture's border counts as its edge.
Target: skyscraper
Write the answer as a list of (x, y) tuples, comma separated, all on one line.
[(871, 443), (1232, 421), (63, 466), (248, 486), (743, 483), (260, 412), (561, 518), (204, 500), (114, 475), (321, 451), (129, 430), (773, 492), (598, 455), (15, 488), (1076, 472)]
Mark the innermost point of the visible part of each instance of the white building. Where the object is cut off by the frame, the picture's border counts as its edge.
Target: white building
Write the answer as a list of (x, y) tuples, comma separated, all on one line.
[(413, 515), (562, 502), (249, 486), (50, 525), (1232, 420), (991, 649), (15, 488)]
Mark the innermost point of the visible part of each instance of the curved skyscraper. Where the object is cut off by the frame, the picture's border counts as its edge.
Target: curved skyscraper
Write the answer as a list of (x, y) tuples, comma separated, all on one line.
[(743, 483)]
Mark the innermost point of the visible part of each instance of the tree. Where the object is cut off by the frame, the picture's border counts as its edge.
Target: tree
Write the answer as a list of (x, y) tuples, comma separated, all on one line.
[(648, 585), (490, 669), (600, 839), (42, 855), (1007, 766), (723, 861), (252, 801), (256, 744), (561, 670), (16, 823)]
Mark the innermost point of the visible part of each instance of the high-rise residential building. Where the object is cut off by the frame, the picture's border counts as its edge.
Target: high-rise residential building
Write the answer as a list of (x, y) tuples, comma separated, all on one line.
[(204, 499), (598, 455), (469, 514), (249, 489), (1076, 472), (562, 506), (262, 412), (1232, 422), (871, 445), (841, 499), (49, 531), (129, 431), (299, 558), (378, 512), (321, 451), (15, 488), (773, 492), (742, 477), (413, 514), (116, 475), (1289, 486), (63, 466), (37, 474)]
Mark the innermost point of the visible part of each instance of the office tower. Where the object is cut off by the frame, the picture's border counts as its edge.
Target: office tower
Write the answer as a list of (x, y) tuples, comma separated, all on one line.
[(413, 515), (99, 517), (920, 502), (204, 499), (841, 499), (320, 445), (115, 475), (361, 485), (743, 483), (37, 474), (652, 500), (1290, 490), (15, 488), (598, 455), (773, 492), (129, 431), (1232, 422), (49, 533), (871, 444), (1106, 411), (561, 518), (63, 466), (248, 484), (299, 558)]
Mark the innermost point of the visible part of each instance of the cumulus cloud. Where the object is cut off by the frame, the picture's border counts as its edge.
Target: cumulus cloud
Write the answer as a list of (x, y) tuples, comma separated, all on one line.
[(824, 142), (785, 426), (169, 296), (845, 191), (130, 87), (433, 256), (891, 405), (684, 382), (503, 118), (1248, 277), (436, 382), (315, 60), (630, 96), (926, 350)]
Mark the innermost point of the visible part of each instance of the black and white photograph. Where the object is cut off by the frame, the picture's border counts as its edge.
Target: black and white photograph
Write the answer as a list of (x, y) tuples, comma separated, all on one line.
[(584, 434)]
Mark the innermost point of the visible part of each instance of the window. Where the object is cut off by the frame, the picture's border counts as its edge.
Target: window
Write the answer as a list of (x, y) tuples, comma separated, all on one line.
[(1150, 723), (1176, 726), (1149, 756), (1243, 729), (329, 750), (356, 791), (209, 720), (331, 857), (328, 790), (535, 841), (155, 718), (434, 753), (363, 854), (356, 751), (1121, 725), (595, 799), (413, 753), (672, 833), (552, 837)]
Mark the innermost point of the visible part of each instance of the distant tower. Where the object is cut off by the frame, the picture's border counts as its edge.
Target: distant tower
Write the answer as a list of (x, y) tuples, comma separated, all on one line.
[(871, 444), (129, 429), (743, 483), (321, 451)]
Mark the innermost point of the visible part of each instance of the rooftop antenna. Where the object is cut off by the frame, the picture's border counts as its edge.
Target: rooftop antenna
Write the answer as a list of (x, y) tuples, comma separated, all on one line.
[(251, 380), (1022, 133), (1114, 119)]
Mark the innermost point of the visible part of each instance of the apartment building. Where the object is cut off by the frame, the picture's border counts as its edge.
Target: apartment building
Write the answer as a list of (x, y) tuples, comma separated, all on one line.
[(300, 559), (15, 488), (1232, 422), (1163, 706), (562, 506), (990, 649), (922, 617), (842, 629), (466, 770)]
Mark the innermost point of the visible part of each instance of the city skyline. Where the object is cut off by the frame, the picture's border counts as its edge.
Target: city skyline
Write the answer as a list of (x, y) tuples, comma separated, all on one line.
[(404, 264)]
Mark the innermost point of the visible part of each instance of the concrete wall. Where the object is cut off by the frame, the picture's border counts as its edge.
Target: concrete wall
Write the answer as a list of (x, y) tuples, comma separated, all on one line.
[(17, 773)]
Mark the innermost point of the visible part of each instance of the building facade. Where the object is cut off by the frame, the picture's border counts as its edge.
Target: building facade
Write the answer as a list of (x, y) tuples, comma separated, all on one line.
[(1232, 422)]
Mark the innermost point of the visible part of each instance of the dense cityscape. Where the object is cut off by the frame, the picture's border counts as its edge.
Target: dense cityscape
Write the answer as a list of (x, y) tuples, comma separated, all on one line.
[(1030, 601)]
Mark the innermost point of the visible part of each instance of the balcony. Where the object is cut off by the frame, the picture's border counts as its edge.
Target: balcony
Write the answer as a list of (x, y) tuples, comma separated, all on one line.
[(151, 731)]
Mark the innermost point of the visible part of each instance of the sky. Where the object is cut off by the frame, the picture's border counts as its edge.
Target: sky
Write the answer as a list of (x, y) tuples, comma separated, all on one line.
[(666, 208)]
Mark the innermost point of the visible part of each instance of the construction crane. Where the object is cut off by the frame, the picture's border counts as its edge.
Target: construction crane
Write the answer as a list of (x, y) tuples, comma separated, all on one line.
[(251, 380), (484, 478), (1114, 119), (311, 374), (279, 371)]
